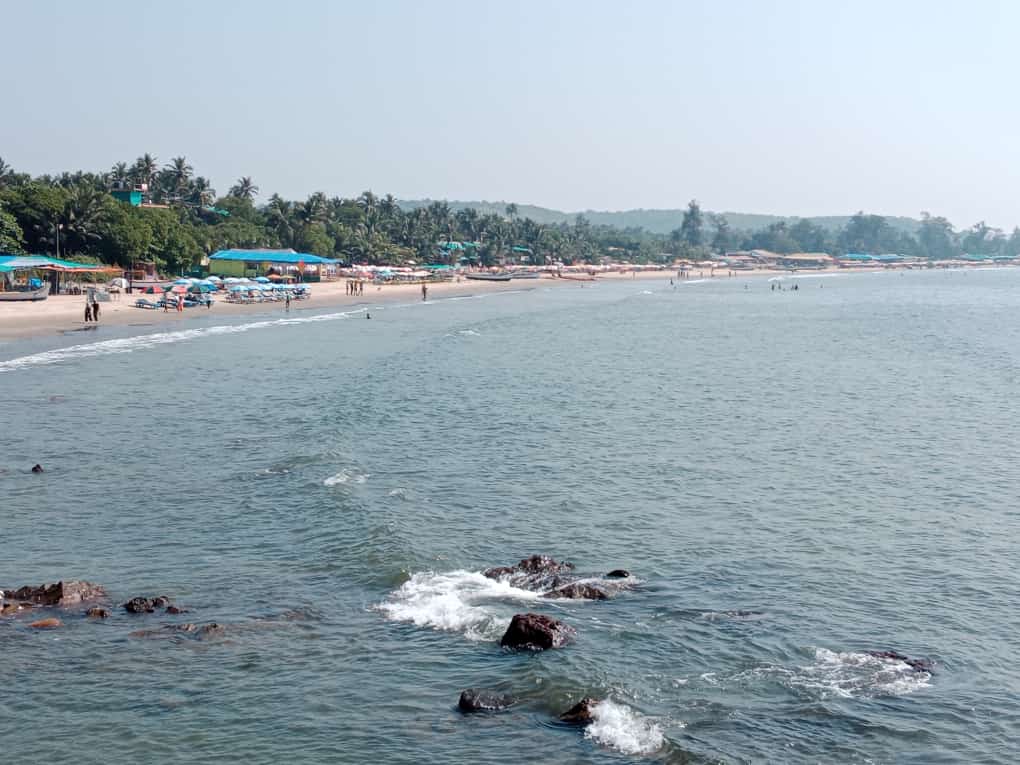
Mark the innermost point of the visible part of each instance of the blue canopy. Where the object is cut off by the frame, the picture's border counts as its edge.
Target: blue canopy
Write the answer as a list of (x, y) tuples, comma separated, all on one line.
[(271, 256)]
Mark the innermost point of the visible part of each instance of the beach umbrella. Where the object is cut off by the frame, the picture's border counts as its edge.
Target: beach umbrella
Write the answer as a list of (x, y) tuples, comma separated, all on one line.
[(261, 279), (179, 289), (200, 288), (153, 289)]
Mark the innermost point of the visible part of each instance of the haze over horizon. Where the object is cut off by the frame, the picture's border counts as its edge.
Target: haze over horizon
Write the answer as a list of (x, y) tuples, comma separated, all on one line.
[(789, 109)]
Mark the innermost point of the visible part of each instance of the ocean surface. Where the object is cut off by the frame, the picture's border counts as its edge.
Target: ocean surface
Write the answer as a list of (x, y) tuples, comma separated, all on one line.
[(793, 478)]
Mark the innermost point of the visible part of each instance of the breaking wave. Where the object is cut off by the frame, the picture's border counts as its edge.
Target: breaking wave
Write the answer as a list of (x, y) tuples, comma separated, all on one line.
[(621, 728), (459, 601), (140, 342)]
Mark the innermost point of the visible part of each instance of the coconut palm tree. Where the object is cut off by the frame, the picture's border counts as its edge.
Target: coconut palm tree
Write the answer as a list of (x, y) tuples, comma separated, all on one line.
[(179, 173), (244, 188), (120, 173), (145, 169), (202, 192)]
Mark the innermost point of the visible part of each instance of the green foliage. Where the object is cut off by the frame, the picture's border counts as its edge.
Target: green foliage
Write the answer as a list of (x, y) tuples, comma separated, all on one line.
[(12, 239), (77, 209)]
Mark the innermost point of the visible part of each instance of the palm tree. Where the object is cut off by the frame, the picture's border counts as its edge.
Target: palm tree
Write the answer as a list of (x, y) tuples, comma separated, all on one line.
[(244, 188), (202, 191), (511, 211), (179, 172), (145, 168), (6, 173), (120, 173)]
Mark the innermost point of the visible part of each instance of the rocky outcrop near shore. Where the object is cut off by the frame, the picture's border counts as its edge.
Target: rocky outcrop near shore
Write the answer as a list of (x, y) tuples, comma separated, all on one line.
[(536, 632), (62, 593), (553, 579)]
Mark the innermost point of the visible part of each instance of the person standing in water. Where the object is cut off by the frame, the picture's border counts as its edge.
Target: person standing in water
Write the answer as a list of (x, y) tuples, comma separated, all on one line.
[(88, 311), (286, 300), (95, 310), (424, 291)]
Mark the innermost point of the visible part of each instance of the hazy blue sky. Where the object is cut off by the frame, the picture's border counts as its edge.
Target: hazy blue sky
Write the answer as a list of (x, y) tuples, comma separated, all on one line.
[(781, 107)]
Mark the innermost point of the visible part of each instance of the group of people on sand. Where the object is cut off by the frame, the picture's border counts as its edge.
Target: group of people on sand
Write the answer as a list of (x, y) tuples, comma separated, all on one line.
[(178, 303), (355, 286), (91, 310)]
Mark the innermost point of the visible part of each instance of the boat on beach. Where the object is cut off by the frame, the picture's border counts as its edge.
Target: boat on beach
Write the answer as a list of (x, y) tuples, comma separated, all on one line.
[(525, 275), (26, 293), (485, 277)]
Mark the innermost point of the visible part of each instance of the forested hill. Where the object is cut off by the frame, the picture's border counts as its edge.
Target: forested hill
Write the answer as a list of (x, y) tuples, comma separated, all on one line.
[(654, 221)]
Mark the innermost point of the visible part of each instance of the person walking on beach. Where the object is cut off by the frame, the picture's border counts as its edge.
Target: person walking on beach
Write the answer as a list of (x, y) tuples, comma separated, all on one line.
[(424, 291), (286, 301), (95, 310), (88, 311)]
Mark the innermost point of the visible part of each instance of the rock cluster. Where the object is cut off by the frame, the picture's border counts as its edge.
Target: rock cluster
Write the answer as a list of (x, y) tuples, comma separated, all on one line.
[(68, 593), (582, 713)]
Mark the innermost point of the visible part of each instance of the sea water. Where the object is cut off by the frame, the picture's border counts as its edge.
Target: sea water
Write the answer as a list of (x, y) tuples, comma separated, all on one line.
[(794, 478)]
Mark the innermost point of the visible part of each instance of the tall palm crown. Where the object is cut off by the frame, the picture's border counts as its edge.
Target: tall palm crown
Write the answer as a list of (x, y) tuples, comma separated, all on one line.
[(244, 188)]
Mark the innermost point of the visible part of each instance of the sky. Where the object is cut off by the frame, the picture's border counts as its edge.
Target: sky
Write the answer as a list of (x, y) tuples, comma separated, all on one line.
[(768, 106)]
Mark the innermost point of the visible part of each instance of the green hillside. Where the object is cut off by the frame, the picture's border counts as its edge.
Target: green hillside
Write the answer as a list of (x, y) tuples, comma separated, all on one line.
[(655, 221)]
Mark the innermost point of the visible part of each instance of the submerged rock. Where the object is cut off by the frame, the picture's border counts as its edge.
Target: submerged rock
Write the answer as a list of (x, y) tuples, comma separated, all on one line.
[(97, 613), (918, 665), (618, 573), (60, 594), (536, 632), (582, 713), (174, 610), (475, 700), (9, 609), (201, 632), (46, 624), (577, 591)]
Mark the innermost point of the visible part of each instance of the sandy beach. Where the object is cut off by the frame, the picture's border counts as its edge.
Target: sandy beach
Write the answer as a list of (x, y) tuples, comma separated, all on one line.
[(65, 313)]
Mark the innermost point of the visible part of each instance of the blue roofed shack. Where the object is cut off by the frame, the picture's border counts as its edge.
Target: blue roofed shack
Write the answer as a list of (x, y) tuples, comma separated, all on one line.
[(253, 263)]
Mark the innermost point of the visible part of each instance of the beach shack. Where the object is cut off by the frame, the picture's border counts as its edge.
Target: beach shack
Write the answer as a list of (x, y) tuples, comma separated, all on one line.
[(260, 262)]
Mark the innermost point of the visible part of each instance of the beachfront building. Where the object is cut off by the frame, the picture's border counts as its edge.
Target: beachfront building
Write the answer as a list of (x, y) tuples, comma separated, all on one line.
[(20, 272), (263, 262), (797, 260)]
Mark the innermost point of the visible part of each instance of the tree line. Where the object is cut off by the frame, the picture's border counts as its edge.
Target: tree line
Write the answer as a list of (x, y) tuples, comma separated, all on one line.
[(185, 219)]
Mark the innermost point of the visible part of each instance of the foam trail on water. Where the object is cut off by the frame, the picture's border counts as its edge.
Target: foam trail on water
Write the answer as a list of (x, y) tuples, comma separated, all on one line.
[(345, 476), (459, 601), (139, 342), (848, 674), (621, 728)]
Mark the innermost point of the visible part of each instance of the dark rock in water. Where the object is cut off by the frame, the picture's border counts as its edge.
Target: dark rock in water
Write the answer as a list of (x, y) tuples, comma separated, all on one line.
[(474, 700), (97, 613), (37, 468), (618, 573), (142, 605), (918, 665), (577, 591), (536, 632), (60, 594), (9, 609), (175, 610), (582, 713)]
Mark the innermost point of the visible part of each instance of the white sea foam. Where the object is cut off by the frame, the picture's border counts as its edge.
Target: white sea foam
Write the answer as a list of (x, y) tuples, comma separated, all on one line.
[(458, 601), (346, 476), (850, 674), (140, 342), (696, 281), (621, 728)]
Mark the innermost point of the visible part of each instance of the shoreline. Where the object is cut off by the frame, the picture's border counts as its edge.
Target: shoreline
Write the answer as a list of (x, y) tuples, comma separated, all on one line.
[(62, 314)]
